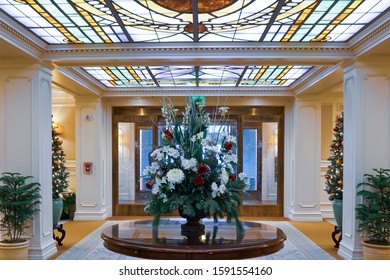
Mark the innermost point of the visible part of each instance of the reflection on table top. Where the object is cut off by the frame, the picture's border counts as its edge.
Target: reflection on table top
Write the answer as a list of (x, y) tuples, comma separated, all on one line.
[(219, 240)]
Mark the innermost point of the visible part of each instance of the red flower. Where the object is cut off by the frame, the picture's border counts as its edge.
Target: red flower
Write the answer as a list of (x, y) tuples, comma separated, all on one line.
[(202, 169), (198, 181), (227, 145), (168, 135), (233, 177), (149, 184)]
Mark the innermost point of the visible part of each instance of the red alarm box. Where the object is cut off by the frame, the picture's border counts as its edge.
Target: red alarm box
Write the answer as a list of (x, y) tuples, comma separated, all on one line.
[(87, 167)]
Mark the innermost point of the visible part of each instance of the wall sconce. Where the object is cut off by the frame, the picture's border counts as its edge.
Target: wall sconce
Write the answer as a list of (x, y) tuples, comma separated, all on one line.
[(88, 117), (58, 128)]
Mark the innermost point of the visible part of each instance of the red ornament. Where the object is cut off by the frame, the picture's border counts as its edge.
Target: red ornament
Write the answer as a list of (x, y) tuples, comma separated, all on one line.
[(233, 177), (149, 184), (198, 181), (168, 135), (202, 169), (227, 145)]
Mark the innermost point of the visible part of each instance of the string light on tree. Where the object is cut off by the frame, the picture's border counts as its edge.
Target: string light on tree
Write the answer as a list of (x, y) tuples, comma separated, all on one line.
[(59, 174), (334, 175)]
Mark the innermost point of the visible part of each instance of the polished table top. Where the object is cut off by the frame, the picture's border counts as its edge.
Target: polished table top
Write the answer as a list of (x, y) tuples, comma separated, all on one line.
[(218, 240)]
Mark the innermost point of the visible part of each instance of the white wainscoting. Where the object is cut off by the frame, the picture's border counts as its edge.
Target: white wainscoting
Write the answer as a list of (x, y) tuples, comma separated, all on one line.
[(71, 168), (326, 205)]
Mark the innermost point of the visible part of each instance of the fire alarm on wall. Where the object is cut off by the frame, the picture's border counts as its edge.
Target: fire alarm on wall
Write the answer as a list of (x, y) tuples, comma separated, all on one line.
[(87, 167)]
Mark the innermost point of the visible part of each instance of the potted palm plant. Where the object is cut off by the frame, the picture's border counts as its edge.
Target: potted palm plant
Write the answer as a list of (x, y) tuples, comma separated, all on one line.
[(19, 204), (373, 214)]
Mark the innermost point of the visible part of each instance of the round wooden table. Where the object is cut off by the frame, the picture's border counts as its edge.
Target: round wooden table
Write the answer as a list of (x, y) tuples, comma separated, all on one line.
[(220, 240)]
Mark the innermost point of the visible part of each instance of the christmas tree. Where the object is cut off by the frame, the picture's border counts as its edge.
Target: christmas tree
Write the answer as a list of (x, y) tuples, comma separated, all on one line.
[(59, 174), (334, 175)]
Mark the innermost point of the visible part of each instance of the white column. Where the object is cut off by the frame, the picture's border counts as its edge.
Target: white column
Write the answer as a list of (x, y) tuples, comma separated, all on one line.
[(91, 198), (304, 195), (25, 141), (366, 140)]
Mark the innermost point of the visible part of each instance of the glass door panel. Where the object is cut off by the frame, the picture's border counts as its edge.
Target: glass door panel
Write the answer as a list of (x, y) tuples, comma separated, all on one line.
[(259, 161)]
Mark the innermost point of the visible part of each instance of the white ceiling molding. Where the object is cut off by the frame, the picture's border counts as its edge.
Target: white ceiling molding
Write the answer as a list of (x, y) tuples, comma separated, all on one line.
[(21, 38), (248, 53), (374, 34), (206, 91), (87, 86), (317, 74)]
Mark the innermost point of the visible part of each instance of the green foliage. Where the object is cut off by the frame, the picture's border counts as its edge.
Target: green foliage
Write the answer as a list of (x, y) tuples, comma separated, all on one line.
[(334, 174), (373, 214), (68, 199), (19, 204), (59, 174)]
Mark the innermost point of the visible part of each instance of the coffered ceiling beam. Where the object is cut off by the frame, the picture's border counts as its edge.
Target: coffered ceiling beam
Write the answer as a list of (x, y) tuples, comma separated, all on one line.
[(202, 54)]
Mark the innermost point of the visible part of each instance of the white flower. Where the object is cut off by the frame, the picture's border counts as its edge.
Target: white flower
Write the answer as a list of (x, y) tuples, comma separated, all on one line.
[(224, 177), (189, 164), (152, 169), (231, 158), (222, 189), (214, 149), (158, 154), (243, 177), (223, 110), (231, 138), (175, 176), (155, 189), (214, 188), (172, 152), (217, 191)]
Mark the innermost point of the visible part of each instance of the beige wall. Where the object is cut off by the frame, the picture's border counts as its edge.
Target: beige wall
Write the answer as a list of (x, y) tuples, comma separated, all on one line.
[(65, 117)]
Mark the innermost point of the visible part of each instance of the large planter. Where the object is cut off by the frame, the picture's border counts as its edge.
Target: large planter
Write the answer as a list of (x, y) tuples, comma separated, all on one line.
[(57, 210), (338, 212), (14, 251), (375, 252)]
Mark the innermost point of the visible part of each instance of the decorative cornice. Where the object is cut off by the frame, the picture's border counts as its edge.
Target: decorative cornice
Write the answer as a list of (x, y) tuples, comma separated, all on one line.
[(248, 49), (315, 75), (75, 75), (194, 91), (370, 35), (15, 35)]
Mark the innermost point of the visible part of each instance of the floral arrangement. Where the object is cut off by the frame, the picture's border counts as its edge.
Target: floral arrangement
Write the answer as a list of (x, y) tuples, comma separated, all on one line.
[(192, 171)]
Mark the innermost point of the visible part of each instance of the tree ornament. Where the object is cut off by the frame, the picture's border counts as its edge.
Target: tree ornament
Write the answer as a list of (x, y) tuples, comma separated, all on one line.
[(333, 177), (59, 174)]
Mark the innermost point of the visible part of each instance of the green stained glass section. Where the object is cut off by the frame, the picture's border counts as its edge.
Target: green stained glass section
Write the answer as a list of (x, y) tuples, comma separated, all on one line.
[(117, 21)]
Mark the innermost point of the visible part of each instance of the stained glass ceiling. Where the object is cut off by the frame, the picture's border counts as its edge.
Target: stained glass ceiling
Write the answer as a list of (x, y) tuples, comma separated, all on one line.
[(175, 76), (119, 21), (69, 22)]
